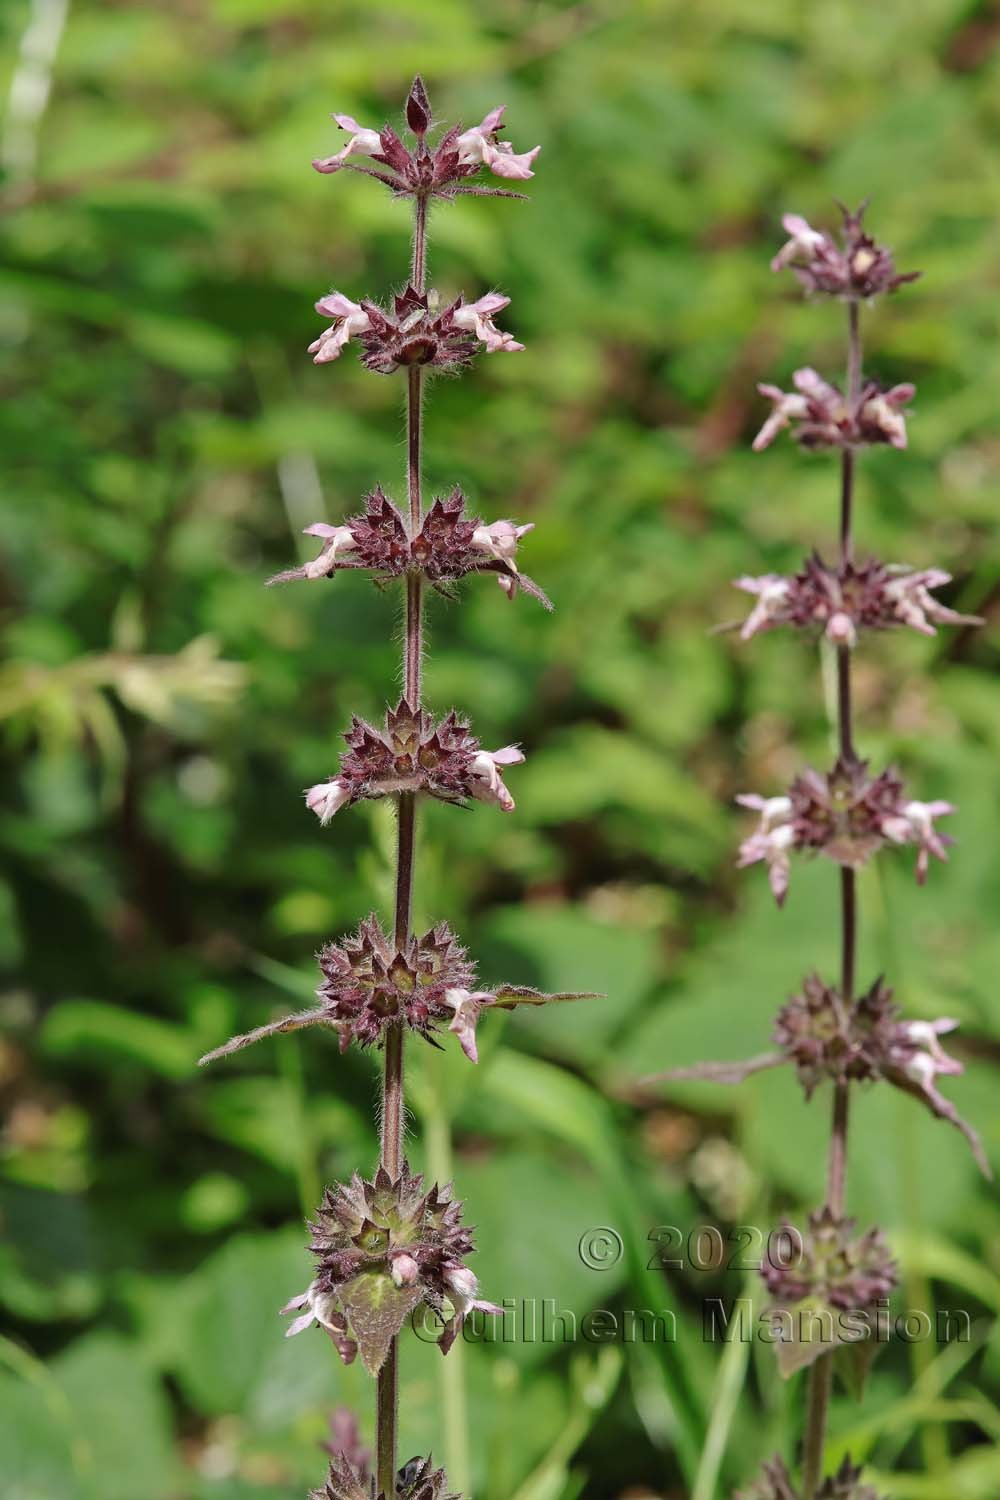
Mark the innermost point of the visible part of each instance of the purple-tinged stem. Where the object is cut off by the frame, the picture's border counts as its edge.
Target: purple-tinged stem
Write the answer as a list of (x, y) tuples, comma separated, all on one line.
[(393, 1102), (821, 1373)]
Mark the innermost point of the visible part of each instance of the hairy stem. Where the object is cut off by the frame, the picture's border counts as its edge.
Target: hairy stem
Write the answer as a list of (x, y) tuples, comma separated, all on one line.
[(821, 1373), (393, 1099)]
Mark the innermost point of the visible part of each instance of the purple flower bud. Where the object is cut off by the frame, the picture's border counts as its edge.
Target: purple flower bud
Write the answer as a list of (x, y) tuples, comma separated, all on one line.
[(404, 1269), (418, 108), (840, 630)]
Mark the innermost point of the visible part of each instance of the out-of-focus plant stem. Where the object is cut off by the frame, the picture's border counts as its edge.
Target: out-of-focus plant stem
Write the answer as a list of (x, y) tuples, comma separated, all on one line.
[(821, 1373)]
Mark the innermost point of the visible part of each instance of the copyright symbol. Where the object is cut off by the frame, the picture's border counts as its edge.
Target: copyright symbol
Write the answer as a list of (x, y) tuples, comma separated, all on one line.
[(600, 1248)]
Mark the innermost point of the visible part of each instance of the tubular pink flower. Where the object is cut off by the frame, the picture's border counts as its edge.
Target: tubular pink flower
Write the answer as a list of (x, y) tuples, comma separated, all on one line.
[(351, 319), (772, 591), (327, 798), (477, 317), (486, 778), (337, 540), (916, 1060), (771, 841), (803, 242), (462, 1287), (478, 147), (883, 413), (320, 1308), (500, 541), (914, 605), (363, 142), (467, 1005), (915, 825), (788, 407)]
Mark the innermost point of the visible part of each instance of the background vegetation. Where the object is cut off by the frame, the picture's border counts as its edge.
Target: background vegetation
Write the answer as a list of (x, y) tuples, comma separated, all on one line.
[(164, 242)]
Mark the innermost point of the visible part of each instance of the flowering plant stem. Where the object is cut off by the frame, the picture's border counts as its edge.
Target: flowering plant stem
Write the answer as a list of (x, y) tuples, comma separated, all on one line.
[(832, 1033), (821, 1373), (388, 1246), (393, 1101)]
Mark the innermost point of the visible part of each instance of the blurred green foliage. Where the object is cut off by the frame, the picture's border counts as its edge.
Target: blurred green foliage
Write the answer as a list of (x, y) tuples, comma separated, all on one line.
[(164, 242)]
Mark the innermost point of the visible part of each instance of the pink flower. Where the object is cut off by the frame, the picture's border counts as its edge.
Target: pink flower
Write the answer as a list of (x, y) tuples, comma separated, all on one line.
[(336, 539), (915, 825), (500, 541), (908, 595), (467, 1005), (478, 146), (327, 798), (803, 242), (915, 1060), (485, 777), (881, 415), (362, 142), (926, 1064), (477, 317), (321, 1308), (788, 407), (462, 1288), (351, 319), (771, 841), (826, 419), (772, 592), (812, 397)]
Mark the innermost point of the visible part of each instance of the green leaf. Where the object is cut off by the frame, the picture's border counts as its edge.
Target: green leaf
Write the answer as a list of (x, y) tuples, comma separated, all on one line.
[(122, 1412), (802, 1332), (376, 1310), (92, 1028)]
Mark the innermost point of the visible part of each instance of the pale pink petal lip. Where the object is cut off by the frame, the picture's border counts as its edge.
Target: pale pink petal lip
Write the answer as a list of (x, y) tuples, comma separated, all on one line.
[(299, 1325)]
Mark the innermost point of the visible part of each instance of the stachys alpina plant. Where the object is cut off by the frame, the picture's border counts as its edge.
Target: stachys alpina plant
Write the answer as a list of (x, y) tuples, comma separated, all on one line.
[(387, 1244), (830, 1032)]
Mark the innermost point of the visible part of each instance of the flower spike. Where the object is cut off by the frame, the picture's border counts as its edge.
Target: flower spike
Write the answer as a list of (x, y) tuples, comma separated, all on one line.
[(441, 172), (369, 984)]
